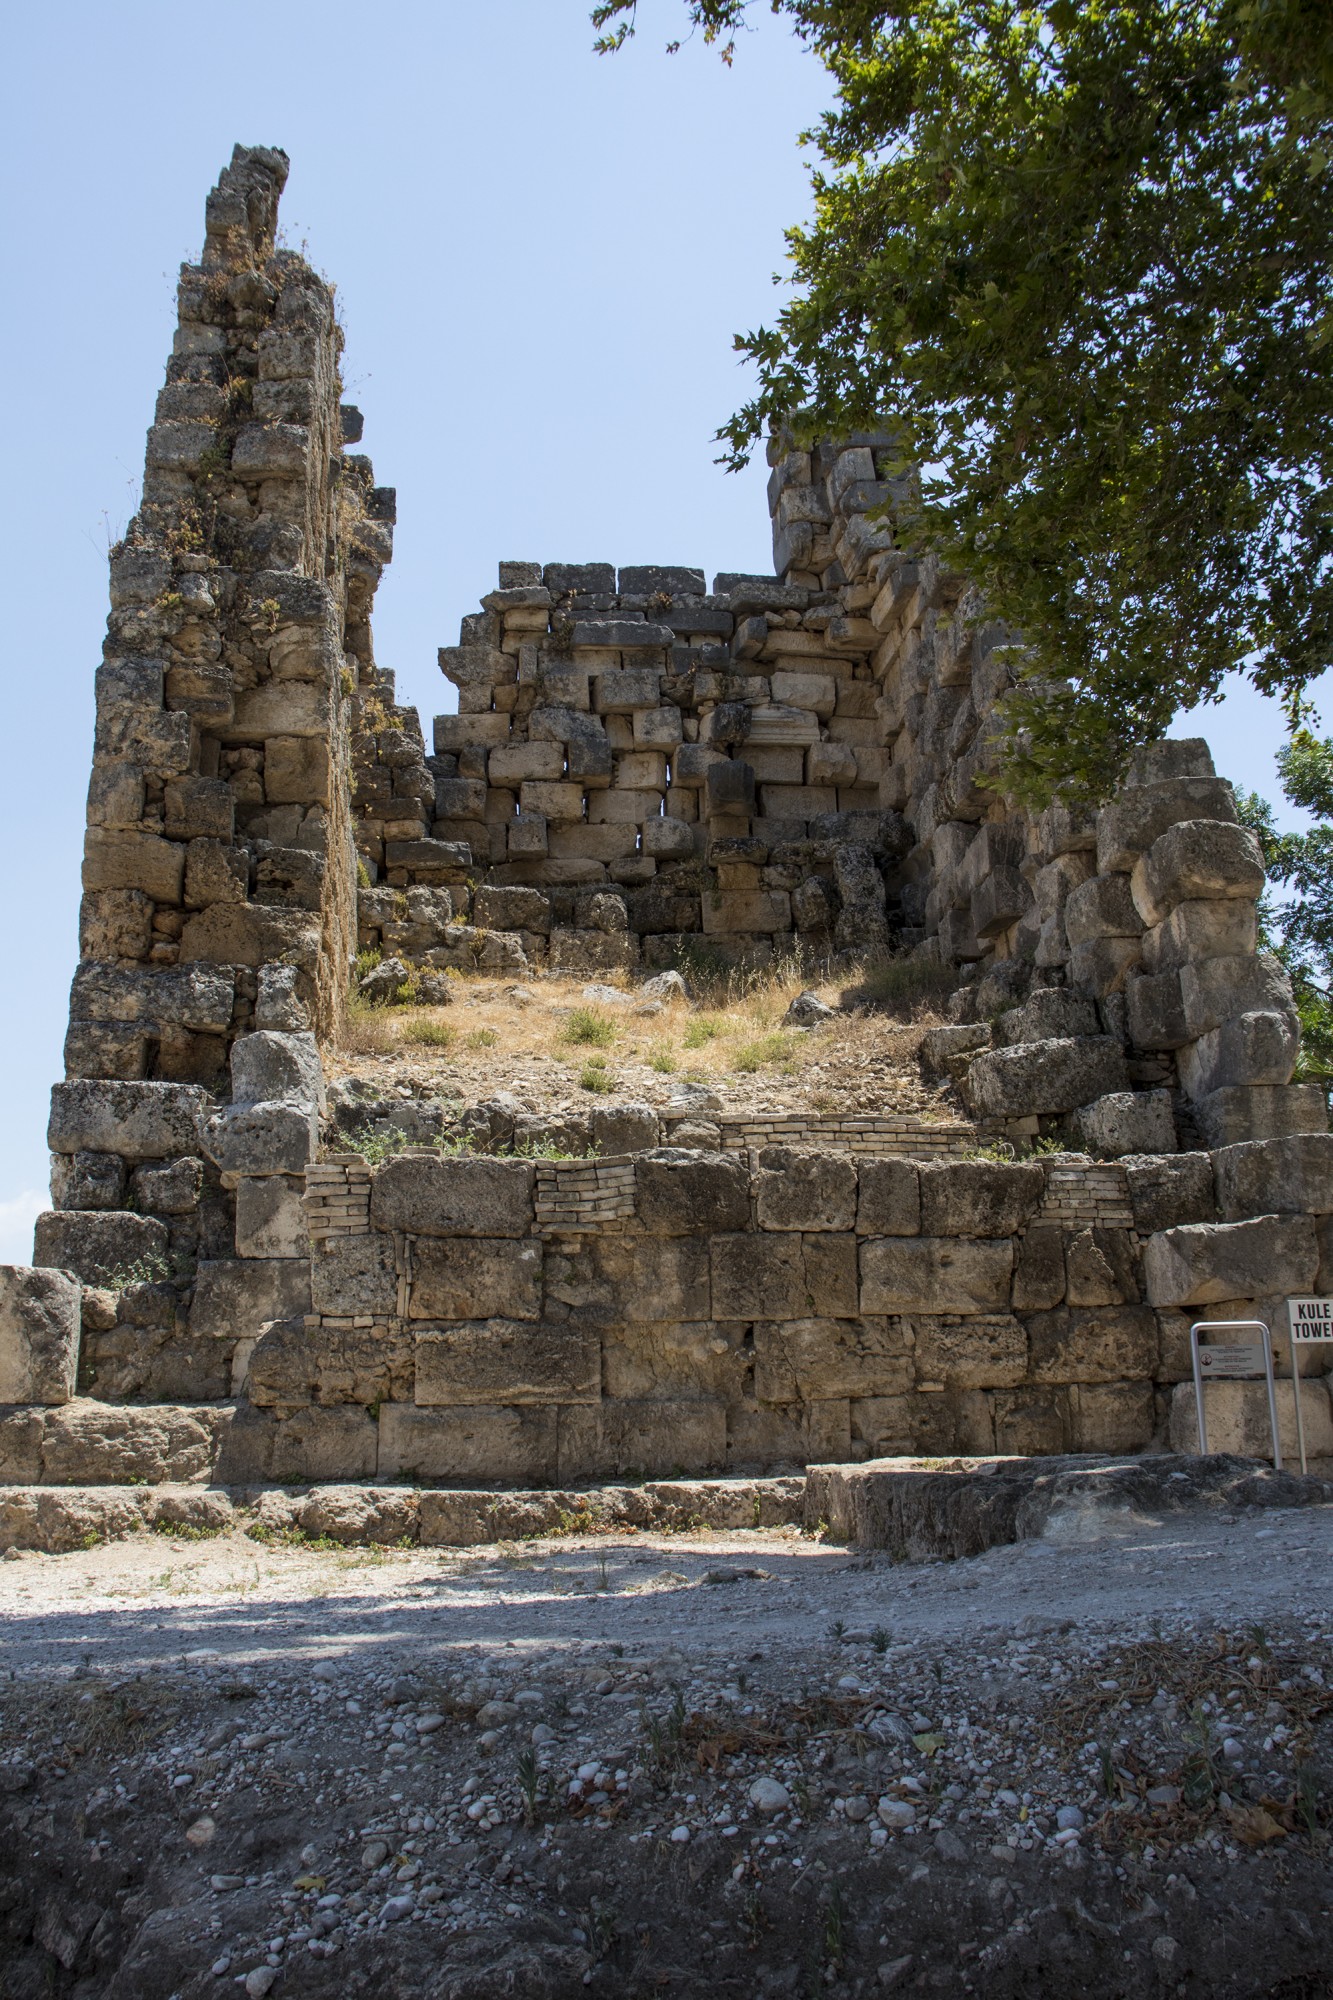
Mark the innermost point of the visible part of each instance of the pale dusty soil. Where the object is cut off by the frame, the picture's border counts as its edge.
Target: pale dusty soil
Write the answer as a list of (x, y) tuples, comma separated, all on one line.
[(504, 1037), (226, 1761)]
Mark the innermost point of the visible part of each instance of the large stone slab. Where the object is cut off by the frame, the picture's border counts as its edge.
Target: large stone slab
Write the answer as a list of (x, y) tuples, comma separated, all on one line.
[(492, 1444), (474, 1277), (982, 1351), (796, 1189), (234, 1298), (1263, 1111), (1238, 1420), (979, 1197), (39, 1335), (107, 1247), (1202, 1263), (1197, 860), (1044, 1078), (355, 1275), (1098, 1344), (806, 1360), (139, 1121), (293, 1364), (686, 1194), (111, 1444), (889, 1198), (932, 1274), (263, 1138), (429, 1195), (548, 1361), (647, 1438), (1291, 1176)]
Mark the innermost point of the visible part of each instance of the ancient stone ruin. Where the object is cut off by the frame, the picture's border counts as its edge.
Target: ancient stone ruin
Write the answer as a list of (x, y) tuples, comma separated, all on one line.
[(644, 775)]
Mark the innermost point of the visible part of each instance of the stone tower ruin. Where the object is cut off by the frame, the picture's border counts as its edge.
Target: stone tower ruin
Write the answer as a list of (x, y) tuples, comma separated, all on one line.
[(642, 774)]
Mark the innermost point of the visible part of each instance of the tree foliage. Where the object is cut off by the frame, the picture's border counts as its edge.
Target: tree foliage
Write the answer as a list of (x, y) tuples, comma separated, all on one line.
[(1300, 927), (1083, 254)]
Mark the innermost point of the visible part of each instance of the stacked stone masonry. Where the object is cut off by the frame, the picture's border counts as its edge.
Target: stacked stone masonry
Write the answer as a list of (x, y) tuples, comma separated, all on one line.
[(641, 773)]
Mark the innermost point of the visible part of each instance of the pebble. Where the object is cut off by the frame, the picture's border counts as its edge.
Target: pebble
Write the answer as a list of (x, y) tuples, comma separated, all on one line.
[(680, 1834), (768, 1796), (896, 1814), (396, 1908), (428, 1724), (374, 1852), (261, 1981), (857, 1809), (1070, 1820)]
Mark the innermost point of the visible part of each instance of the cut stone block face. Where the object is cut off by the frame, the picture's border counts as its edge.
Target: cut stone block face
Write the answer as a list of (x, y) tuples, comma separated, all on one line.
[(1046, 1077), (1129, 825), (268, 1067), (1274, 1111), (1110, 1344), (476, 1278), (759, 1277), (1201, 1263), (1238, 1419), (803, 1190), (929, 1274), (173, 1188), (102, 1444), (1291, 1176), (889, 1198), (39, 1335), (354, 1274), (1251, 1049), (1118, 1416), (1201, 930), (301, 1447), (624, 1128), (270, 1218), (139, 1121), (480, 1446), (979, 1197), (526, 1362), (981, 1352), (807, 1360), (686, 1359), (233, 1300), (1216, 989), (458, 1197), (87, 1180), (1197, 860), (653, 1438), (100, 1247), (1156, 1010), (293, 1364), (263, 1138), (1101, 907), (686, 1195), (1165, 1192), (1128, 1121), (1039, 1269)]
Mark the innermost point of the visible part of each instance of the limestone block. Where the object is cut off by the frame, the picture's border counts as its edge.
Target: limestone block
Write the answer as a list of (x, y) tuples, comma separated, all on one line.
[(354, 1274), (559, 801), (99, 1248), (759, 910), (270, 1067), (1197, 860), (623, 807), (998, 902), (1033, 1422), (981, 1352), (931, 1274), (1273, 1111), (579, 952), (513, 763), (544, 1361), (262, 1138), (466, 732), (816, 692), (475, 666), (1101, 907), (625, 1128), (139, 1121), (116, 858), (889, 1198), (1113, 1416), (527, 834), (1238, 1419), (1165, 1191), (489, 1445), (233, 1299), (472, 1277), (691, 1194), (692, 762), (88, 1180), (661, 1359), (658, 728), (20, 1451), (641, 771), (979, 1197), (729, 787), (115, 923), (1217, 989), (668, 839), (634, 1278), (430, 860), (1103, 965), (1128, 1121), (107, 1444), (831, 1287), (270, 1217), (1156, 1009), (622, 690), (830, 764), (1046, 1077), (39, 1335), (1039, 1268), (1291, 1176), (796, 1189), (513, 909), (807, 1360), (942, 1049), (1140, 814), (453, 1197), (578, 842), (307, 1445), (191, 996), (173, 1188), (1106, 1344), (759, 1277), (654, 1438), (296, 771), (460, 798), (292, 1364), (1051, 885), (1202, 1262), (1250, 1049), (1201, 930), (196, 807)]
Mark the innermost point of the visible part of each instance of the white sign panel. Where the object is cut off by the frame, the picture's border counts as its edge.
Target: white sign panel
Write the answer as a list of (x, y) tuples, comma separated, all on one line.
[(1310, 1320), (1231, 1361)]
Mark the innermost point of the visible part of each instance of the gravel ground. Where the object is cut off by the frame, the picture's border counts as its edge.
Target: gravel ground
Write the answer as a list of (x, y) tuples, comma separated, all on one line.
[(743, 1764)]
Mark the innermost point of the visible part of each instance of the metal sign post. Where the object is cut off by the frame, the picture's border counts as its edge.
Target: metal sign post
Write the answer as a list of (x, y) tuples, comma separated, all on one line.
[(1311, 1321), (1234, 1362)]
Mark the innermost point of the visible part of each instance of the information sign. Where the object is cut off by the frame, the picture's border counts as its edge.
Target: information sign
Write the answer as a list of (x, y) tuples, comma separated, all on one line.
[(1310, 1321), (1232, 1360)]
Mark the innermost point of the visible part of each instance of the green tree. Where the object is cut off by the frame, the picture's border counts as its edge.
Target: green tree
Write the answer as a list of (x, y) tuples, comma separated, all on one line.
[(1300, 927), (1083, 254)]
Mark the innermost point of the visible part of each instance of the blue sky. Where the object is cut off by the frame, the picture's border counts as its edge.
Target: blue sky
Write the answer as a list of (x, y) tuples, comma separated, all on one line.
[(542, 258)]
